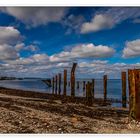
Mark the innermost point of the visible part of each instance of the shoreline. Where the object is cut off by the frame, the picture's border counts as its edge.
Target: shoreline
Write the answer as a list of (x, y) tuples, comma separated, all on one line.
[(33, 112)]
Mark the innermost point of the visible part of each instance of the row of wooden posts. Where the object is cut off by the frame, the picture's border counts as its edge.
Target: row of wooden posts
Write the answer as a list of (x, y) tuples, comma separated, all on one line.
[(88, 86), (133, 82)]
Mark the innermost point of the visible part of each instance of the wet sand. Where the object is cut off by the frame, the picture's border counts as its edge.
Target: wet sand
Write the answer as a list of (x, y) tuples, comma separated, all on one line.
[(32, 112)]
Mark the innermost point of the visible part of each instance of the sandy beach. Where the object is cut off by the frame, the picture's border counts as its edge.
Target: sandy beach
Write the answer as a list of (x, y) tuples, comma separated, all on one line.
[(21, 113)]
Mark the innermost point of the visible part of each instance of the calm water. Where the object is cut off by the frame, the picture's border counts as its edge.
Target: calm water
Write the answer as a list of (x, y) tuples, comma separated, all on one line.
[(113, 87)]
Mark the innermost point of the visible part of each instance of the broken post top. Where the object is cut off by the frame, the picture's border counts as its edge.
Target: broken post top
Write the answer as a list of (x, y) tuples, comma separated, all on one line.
[(73, 67)]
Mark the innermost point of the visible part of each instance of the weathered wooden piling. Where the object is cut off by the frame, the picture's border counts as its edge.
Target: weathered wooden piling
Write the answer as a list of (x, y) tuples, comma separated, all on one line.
[(69, 83), (56, 84), (73, 79), (77, 84), (89, 94), (53, 85), (65, 83), (123, 89), (137, 88), (84, 85), (93, 83), (132, 94), (105, 87), (59, 85)]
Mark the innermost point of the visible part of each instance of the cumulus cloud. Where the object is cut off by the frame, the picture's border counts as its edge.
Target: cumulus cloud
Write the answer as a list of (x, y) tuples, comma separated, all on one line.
[(35, 16), (132, 49), (19, 47), (7, 52), (99, 22), (109, 18), (35, 59), (9, 35), (84, 51), (11, 43), (22, 46)]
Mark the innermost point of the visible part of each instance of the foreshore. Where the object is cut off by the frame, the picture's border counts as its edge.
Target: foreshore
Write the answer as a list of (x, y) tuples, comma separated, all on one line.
[(33, 112)]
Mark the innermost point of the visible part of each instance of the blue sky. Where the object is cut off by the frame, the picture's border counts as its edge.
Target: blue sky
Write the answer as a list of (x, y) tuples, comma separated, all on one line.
[(41, 42)]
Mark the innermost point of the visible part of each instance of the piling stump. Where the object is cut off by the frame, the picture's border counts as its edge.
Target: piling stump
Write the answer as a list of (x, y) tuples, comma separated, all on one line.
[(77, 84), (134, 94), (93, 83), (124, 89), (89, 94), (59, 85), (56, 84), (105, 87), (53, 85), (84, 85), (73, 80), (65, 83)]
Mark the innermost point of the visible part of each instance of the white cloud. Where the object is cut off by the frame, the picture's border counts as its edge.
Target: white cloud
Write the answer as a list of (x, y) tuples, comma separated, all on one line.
[(22, 46), (19, 47), (35, 59), (7, 52), (9, 35), (120, 14), (99, 22), (83, 51), (98, 68), (35, 16), (132, 49), (109, 18)]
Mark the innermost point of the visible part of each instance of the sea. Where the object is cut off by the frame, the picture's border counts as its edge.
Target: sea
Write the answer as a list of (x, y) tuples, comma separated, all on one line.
[(114, 87)]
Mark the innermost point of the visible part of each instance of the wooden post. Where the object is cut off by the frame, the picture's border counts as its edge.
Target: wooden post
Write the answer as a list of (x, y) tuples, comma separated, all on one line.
[(56, 84), (123, 89), (84, 85), (65, 83), (59, 88), (53, 86), (93, 83), (137, 91), (89, 93), (69, 83), (77, 84), (73, 79), (132, 94), (105, 87)]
